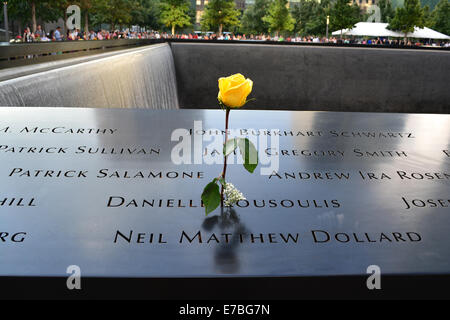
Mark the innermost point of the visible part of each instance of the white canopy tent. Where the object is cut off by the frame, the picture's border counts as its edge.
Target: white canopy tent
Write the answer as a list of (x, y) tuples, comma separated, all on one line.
[(370, 29), (378, 29), (427, 33)]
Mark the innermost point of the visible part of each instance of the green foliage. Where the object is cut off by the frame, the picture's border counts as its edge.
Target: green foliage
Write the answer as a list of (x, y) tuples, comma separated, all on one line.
[(211, 196), (430, 3), (192, 13), (121, 12), (249, 154), (229, 147), (20, 10), (278, 17), (427, 16), (406, 18), (397, 3), (146, 13), (247, 150), (317, 25), (440, 17), (304, 13), (308, 17), (387, 11), (175, 13), (252, 20), (220, 14), (114, 12), (343, 15)]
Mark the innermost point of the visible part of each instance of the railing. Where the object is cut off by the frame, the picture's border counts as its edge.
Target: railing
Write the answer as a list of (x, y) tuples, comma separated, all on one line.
[(313, 44), (18, 54), (29, 53)]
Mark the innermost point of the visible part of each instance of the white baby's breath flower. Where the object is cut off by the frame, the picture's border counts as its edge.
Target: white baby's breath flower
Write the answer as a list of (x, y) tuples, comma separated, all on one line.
[(232, 195)]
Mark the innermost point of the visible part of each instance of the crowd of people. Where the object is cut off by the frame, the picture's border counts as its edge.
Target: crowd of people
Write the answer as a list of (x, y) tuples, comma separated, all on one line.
[(76, 35)]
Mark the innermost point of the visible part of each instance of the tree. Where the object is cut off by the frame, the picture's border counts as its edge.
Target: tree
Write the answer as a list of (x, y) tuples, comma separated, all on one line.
[(175, 13), (146, 13), (113, 12), (317, 25), (31, 11), (95, 12), (37, 8), (441, 17), (278, 17), (220, 14), (20, 12), (252, 21), (85, 6), (344, 16), (387, 12), (427, 16), (42, 9), (303, 13), (430, 3), (59, 8), (408, 17)]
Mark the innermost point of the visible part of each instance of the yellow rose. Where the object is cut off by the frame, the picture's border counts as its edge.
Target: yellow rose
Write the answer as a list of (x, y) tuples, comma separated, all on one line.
[(234, 90)]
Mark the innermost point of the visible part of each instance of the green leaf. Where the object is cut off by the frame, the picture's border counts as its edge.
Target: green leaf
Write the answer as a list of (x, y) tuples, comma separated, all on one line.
[(230, 146), (222, 181), (211, 196), (249, 100), (249, 154)]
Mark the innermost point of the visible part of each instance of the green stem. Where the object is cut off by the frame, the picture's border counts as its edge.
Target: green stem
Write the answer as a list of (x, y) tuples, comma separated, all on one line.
[(224, 172)]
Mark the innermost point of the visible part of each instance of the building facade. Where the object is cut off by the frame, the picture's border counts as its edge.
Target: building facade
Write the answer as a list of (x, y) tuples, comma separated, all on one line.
[(365, 4)]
